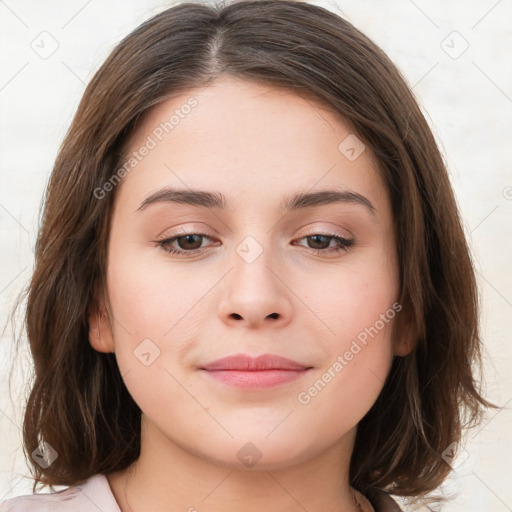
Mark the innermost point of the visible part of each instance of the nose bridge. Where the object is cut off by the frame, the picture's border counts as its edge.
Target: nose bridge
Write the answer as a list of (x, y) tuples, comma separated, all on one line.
[(254, 252), (253, 266), (255, 290)]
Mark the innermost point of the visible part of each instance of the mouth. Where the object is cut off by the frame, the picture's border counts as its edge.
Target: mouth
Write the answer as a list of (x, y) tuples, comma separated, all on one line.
[(246, 372)]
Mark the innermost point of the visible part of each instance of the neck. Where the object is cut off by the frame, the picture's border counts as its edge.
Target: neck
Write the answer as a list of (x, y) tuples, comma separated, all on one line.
[(168, 477)]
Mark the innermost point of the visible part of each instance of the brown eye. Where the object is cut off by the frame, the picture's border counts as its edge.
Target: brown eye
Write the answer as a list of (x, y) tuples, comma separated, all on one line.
[(321, 243), (189, 242), (184, 245)]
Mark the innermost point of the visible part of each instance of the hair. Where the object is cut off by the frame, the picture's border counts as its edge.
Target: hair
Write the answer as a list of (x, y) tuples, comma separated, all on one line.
[(78, 402)]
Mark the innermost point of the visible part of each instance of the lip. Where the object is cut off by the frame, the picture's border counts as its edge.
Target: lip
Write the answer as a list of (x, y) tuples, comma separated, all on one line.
[(244, 371), (248, 363)]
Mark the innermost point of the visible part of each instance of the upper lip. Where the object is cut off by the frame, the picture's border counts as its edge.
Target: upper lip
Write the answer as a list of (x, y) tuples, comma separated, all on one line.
[(248, 363)]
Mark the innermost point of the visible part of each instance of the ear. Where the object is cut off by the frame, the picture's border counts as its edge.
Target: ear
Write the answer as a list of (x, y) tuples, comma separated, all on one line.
[(100, 331), (405, 335), (403, 347)]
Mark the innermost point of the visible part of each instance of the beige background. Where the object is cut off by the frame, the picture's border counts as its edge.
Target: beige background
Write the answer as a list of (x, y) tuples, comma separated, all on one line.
[(466, 94)]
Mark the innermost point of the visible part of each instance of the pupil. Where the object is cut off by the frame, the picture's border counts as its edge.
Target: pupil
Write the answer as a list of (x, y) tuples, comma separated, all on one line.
[(190, 239), (318, 239)]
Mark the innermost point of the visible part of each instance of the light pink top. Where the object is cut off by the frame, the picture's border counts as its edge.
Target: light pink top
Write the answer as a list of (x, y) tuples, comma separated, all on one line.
[(91, 496)]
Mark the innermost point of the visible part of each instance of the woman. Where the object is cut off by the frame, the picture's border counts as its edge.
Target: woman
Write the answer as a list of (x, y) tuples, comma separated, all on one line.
[(312, 348)]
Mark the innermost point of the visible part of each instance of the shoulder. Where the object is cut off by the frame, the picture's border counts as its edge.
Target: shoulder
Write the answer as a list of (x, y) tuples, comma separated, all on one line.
[(92, 495)]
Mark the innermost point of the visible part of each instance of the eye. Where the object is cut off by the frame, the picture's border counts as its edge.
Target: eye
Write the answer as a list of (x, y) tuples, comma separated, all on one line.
[(190, 244), (322, 243)]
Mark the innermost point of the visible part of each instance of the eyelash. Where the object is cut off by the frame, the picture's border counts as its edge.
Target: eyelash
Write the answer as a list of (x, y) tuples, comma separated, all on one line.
[(344, 244)]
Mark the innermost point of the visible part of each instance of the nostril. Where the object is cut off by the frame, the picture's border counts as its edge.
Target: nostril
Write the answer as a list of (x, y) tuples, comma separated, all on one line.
[(273, 315), (236, 315)]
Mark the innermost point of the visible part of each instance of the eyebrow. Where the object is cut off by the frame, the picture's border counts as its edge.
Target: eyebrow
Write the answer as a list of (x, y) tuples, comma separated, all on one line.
[(216, 200)]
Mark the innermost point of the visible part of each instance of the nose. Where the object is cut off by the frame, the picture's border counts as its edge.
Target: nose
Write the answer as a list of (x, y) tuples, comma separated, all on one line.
[(255, 293)]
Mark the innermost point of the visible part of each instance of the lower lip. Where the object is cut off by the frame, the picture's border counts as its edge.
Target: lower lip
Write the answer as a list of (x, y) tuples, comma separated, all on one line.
[(260, 379)]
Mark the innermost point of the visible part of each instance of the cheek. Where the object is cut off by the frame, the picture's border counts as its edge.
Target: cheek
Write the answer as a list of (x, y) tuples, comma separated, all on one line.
[(357, 299), (154, 300), (156, 310), (356, 363), (341, 394), (151, 329), (359, 309)]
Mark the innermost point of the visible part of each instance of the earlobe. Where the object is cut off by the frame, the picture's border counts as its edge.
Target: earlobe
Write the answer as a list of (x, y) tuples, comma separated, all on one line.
[(100, 332), (405, 337), (403, 347)]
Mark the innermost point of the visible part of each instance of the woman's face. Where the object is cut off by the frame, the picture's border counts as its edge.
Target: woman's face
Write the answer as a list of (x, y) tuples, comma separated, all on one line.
[(297, 260)]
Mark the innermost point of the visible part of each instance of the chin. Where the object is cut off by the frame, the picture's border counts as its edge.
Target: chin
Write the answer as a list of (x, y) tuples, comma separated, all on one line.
[(260, 453)]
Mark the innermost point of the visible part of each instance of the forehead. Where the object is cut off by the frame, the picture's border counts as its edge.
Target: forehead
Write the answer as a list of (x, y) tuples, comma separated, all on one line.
[(252, 140)]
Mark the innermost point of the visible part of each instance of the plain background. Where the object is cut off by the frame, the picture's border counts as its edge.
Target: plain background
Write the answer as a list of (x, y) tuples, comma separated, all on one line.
[(456, 57)]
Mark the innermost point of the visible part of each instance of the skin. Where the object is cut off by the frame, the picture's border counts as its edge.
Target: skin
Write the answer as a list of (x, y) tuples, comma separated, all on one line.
[(256, 144)]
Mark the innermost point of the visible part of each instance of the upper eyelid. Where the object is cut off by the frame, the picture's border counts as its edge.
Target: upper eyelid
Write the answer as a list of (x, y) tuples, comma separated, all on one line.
[(182, 231)]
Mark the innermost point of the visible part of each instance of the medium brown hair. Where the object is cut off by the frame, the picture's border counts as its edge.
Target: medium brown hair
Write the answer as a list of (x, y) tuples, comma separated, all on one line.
[(79, 403)]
